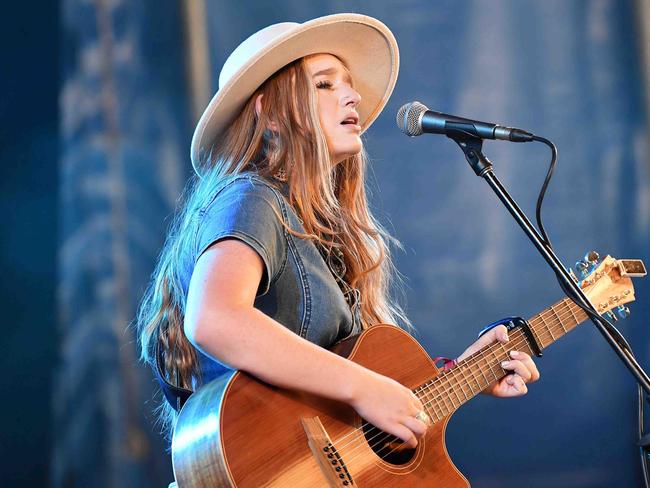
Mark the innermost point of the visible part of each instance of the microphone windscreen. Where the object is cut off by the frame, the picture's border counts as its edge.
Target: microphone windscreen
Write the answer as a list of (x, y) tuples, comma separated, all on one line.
[(408, 118)]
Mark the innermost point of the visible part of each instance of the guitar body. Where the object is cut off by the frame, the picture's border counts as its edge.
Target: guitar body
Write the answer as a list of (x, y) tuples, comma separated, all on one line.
[(238, 431)]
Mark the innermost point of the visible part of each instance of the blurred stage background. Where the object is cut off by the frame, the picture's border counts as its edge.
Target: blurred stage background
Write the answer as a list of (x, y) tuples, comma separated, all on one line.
[(91, 185)]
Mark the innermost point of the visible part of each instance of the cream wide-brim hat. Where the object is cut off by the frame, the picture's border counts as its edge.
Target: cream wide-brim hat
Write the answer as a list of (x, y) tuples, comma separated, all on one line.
[(364, 44)]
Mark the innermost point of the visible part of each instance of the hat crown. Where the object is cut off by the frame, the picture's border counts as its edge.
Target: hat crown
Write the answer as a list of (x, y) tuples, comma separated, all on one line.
[(252, 46)]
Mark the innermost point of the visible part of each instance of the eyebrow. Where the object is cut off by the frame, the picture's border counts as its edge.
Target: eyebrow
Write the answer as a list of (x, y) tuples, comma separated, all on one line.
[(332, 71)]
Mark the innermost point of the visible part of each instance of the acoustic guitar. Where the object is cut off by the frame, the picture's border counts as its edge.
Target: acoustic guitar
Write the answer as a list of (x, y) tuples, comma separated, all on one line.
[(238, 431)]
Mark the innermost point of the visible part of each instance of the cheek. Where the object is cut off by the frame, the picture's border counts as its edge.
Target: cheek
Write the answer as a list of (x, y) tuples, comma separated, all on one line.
[(327, 112)]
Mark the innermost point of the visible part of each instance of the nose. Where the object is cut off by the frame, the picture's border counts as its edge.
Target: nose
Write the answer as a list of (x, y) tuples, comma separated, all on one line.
[(350, 97)]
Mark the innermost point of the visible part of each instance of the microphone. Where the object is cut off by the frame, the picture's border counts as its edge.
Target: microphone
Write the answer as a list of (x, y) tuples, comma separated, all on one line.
[(415, 119)]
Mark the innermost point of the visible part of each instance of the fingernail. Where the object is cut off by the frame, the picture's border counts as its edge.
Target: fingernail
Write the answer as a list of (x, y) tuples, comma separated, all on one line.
[(514, 354), (504, 364)]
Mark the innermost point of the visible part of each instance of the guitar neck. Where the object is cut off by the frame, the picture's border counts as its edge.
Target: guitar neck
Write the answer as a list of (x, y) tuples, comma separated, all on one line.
[(451, 389)]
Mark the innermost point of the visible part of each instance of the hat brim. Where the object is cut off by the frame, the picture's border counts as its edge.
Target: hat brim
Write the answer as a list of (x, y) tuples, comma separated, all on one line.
[(365, 45)]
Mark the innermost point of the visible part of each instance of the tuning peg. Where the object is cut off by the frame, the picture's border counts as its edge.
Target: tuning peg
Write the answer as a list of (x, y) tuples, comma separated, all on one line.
[(611, 316), (622, 311), (592, 257), (582, 269)]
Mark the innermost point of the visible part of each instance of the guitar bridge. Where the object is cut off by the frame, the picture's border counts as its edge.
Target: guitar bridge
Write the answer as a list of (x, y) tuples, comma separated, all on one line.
[(328, 457)]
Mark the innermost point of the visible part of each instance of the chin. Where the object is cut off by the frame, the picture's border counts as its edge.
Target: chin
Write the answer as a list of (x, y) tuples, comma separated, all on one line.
[(347, 153)]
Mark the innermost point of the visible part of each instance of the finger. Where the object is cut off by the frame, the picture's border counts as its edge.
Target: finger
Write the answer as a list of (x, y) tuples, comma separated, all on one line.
[(416, 426), (517, 367), (498, 333), (501, 334), (406, 434), (517, 384), (416, 406), (528, 362)]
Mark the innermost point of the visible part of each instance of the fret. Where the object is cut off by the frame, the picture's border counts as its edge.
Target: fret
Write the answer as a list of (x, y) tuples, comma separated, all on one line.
[(533, 331), (446, 388), (475, 380), (435, 395), (543, 322), (564, 329), (492, 364), (462, 372), (549, 326), (527, 347), (483, 365), (573, 314), (497, 361), (482, 370), (557, 317), (420, 393), (442, 393), (505, 352), (453, 388), (446, 408), (442, 396)]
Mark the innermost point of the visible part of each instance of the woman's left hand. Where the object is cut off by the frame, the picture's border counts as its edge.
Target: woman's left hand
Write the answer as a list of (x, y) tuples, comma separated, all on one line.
[(521, 364)]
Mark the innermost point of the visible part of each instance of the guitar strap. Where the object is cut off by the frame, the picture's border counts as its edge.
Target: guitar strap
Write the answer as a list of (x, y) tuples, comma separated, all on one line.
[(175, 395)]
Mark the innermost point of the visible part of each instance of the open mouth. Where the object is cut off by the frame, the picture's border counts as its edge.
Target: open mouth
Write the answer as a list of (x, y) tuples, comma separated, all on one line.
[(351, 120)]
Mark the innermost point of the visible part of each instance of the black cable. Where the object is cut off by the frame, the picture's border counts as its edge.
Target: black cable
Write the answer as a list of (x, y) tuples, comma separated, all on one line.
[(542, 192), (587, 307)]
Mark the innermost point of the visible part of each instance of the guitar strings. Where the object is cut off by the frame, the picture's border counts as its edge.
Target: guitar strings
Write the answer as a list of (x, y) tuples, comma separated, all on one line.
[(481, 355), (435, 399), (359, 431), (559, 321), (435, 393), (350, 456), (559, 318)]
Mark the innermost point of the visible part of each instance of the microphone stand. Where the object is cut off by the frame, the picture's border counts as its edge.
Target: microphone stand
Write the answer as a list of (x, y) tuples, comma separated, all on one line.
[(482, 166)]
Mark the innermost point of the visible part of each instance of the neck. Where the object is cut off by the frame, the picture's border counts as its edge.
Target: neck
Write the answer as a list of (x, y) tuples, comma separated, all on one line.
[(449, 390)]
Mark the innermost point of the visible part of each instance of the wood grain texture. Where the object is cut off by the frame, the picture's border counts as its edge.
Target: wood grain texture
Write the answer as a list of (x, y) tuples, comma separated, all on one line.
[(238, 431)]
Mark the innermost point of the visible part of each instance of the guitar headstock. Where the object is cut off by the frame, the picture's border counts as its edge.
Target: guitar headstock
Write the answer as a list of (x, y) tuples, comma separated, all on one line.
[(608, 284)]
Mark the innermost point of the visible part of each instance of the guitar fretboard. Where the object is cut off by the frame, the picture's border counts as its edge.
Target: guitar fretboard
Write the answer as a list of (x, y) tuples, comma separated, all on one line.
[(449, 390)]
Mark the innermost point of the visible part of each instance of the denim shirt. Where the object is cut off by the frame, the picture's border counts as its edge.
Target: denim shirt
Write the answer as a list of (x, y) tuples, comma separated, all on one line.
[(297, 288)]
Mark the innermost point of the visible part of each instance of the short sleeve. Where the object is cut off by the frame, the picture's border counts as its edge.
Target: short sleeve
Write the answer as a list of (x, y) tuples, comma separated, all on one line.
[(250, 211)]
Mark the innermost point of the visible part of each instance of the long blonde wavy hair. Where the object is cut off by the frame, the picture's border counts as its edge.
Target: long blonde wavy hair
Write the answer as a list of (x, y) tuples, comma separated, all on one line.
[(331, 202)]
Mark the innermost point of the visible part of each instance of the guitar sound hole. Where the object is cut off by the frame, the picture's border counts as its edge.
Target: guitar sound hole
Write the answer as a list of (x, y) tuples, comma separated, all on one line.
[(388, 447)]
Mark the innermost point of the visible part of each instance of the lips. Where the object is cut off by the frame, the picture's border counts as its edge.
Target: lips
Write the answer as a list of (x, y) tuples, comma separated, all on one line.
[(352, 119)]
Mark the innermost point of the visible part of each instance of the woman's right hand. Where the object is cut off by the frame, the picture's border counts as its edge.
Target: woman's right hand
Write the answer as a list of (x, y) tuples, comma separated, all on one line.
[(389, 406)]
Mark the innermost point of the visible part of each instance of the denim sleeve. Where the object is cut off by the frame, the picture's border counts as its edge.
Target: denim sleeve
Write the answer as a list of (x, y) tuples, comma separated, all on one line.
[(249, 211)]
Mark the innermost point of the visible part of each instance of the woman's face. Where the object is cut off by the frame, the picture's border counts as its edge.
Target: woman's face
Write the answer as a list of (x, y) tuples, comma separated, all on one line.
[(337, 105)]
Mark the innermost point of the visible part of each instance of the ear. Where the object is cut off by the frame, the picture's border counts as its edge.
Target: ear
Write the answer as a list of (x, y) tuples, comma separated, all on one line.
[(258, 104), (258, 111)]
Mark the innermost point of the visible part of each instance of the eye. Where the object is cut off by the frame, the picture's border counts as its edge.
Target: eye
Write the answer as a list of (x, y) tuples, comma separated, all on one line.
[(324, 84)]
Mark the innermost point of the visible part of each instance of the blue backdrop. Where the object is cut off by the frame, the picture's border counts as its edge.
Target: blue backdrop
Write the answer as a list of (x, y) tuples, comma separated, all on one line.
[(569, 71)]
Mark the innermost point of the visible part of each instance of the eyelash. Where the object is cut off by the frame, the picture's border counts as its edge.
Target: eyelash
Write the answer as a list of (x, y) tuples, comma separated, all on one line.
[(324, 84)]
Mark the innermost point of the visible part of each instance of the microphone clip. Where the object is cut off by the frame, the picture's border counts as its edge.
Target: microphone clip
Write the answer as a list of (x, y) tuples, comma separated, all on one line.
[(472, 148)]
